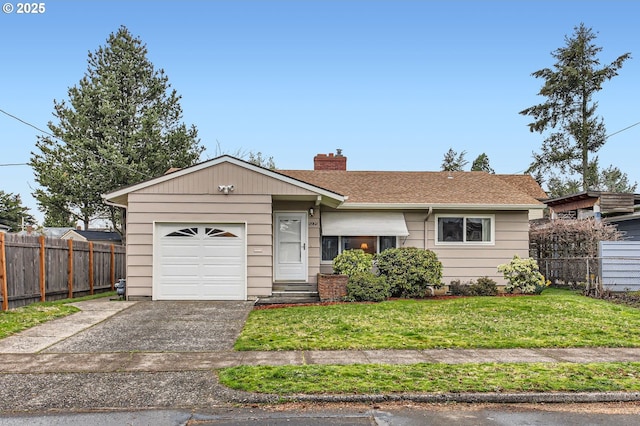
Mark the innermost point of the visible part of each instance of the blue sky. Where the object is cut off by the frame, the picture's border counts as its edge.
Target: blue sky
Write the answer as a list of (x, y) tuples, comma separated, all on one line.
[(394, 84)]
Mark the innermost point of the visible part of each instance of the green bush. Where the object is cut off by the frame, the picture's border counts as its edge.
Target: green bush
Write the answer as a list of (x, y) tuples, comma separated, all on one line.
[(523, 275), (485, 286), (367, 287), (350, 262), (456, 288), (410, 270)]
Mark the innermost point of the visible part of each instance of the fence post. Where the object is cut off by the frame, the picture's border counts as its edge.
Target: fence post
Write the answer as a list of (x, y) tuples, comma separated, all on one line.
[(3, 274), (70, 269), (113, 268), (43, 277), (90, 267)]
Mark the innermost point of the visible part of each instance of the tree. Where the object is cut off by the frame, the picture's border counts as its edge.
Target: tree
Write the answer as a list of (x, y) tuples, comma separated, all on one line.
[(259, 160), (454, 162), (121, 124), (13, 213), (569, 109), (612, 179), (481, 164), (250, 156)]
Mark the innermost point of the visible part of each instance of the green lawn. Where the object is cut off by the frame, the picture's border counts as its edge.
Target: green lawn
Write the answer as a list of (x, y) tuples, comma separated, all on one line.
[(434, 378), (16, 320), (557, 318)]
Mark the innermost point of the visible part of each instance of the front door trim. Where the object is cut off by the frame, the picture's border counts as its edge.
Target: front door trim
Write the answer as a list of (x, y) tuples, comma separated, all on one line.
[(291, 246)]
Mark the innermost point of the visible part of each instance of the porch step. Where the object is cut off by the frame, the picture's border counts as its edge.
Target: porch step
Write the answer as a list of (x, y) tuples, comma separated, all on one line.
[(295, 287), (289, 297)]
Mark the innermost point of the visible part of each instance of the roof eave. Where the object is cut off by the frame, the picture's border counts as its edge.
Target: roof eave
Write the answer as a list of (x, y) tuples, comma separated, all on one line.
[(440, 206)]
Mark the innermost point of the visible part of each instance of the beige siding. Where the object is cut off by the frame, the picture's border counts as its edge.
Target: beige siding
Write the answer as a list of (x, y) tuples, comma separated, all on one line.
[(466, 263), (415, 225), (206, 181), (146, 208)]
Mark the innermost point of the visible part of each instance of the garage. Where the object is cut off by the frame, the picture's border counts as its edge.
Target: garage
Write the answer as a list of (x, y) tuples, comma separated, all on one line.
[(199, 261)]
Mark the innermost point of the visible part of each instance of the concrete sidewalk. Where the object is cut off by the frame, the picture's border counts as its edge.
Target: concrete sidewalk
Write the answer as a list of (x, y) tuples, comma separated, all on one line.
[(38, 338), (197, 361)]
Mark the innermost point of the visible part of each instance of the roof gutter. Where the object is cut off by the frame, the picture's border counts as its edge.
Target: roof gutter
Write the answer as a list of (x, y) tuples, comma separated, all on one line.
[(109, 203), (443, 206)]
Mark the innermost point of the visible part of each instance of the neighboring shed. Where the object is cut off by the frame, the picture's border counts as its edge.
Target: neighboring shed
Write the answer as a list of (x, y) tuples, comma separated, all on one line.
[(592, 203), (628, 224), (96, 236)]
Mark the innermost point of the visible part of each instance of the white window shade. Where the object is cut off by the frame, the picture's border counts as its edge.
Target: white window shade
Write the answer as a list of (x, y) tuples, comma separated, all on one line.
[(365, 223)]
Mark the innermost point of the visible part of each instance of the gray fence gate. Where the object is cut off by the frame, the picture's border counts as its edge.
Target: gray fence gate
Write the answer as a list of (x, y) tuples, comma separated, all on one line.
[(620, 265)]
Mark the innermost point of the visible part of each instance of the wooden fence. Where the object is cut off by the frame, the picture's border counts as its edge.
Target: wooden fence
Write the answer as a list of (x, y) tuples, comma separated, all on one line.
[(34, 269)]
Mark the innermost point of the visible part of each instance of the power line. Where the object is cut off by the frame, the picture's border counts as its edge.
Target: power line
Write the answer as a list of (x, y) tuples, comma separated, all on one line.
[(61, 140), (620, 131), (14, 164)]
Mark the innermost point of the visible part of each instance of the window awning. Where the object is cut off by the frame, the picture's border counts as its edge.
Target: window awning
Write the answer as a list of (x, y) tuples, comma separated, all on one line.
[(364, 223)]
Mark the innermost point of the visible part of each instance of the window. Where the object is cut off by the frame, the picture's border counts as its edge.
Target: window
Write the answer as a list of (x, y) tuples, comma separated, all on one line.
[(333, 246), (464, 229)]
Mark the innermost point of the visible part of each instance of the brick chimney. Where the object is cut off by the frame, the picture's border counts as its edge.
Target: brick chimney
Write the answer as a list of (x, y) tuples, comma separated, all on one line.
[(330, 161)]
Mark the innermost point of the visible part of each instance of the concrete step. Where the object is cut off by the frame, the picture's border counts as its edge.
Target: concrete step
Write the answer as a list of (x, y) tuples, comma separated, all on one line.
[(289, 297)]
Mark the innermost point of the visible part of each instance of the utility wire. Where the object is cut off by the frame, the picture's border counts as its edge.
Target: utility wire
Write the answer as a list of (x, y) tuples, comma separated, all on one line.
[(14, 164), (620, 131), (79, 148)]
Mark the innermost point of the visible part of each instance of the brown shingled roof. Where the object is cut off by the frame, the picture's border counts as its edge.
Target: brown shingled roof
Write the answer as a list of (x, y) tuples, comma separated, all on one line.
[(383, 187), (527, 184)]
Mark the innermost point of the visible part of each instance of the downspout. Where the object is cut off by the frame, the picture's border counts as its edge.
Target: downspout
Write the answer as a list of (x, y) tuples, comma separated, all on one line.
[(426, 219)]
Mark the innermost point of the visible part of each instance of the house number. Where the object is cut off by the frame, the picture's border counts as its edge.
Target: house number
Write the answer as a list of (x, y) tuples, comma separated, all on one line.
[(314, 223)]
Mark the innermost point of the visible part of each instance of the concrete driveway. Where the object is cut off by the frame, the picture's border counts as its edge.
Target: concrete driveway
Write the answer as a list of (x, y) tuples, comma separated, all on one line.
[(162, 326)]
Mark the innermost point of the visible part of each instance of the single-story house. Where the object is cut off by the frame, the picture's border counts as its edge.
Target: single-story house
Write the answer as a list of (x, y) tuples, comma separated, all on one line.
[(96, 236), (226, 229)]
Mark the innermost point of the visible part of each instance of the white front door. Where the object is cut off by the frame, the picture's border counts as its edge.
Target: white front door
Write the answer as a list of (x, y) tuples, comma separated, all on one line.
[(291, 246)]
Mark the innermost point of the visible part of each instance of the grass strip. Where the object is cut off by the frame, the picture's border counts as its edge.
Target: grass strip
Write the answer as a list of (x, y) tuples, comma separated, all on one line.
[(19, 319), (434, 378), (556, 318)]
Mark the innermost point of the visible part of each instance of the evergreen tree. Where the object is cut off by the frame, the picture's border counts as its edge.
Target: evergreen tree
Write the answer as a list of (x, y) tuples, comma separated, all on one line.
[(454, 162), (121, 125), (13, 213), (612, 179), (481, 164), (569, 110)]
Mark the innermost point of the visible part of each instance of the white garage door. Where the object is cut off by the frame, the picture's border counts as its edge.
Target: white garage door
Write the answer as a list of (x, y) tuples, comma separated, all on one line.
[(199, 262)]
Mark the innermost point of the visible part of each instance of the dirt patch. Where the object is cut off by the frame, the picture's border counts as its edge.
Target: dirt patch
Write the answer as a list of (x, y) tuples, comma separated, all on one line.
[(628, 299)]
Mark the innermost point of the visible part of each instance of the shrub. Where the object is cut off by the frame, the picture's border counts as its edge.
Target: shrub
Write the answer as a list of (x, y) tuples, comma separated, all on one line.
[(410, 270), (485, 286), (522, 275), (456, 288), (367, 287), (350, 262)]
